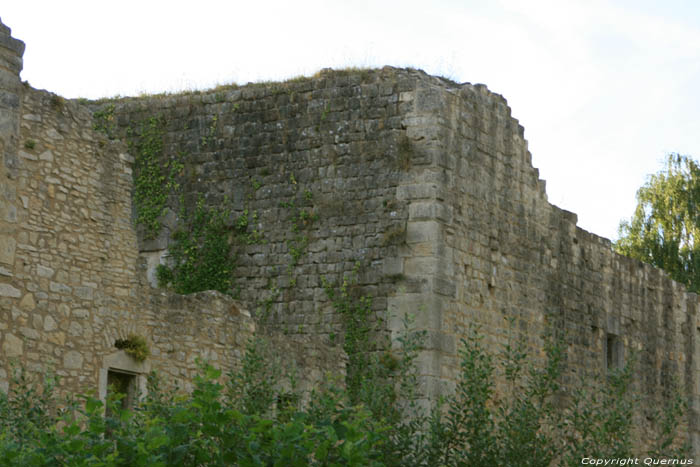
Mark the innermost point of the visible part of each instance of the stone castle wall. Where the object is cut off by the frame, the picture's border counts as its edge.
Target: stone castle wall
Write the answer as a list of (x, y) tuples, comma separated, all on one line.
[(332, 147), (421, 187), (429, 186), (502, 251), (71, 280)]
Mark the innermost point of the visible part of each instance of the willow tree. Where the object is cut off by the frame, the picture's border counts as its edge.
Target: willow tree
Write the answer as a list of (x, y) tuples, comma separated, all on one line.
[(665, 228)]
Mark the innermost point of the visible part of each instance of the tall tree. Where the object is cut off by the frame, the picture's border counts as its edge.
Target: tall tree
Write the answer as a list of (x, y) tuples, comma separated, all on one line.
[(665, 228)]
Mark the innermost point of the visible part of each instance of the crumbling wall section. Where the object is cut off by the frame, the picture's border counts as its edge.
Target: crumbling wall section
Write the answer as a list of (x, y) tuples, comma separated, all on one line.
[(502, 252)]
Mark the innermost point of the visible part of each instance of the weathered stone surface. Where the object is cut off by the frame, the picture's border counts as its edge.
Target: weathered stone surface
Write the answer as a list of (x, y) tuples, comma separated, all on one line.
[(58, 287), (8, 246), (12, 346), (27, 303), (43, 271), (73, 360), (50, 324), (6, 290), (29, 333)]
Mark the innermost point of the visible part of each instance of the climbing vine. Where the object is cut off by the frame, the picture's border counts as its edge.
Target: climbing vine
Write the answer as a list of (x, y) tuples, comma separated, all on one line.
[(153, 180), (301, 219), (201, 253), (356, 314)]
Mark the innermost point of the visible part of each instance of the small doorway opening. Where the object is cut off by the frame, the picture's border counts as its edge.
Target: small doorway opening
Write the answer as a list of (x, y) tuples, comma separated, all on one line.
[(123, 385)]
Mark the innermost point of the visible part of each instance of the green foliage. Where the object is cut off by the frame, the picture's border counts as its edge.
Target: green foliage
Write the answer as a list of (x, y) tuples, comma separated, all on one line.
[(134, 345), (105, 122), (204, 428), (356, 315), (666, 223), (153, 180), (242, 225), (599, 425), (201, 254), (30, 144), (667, 419), (210, 135), (247, 419), (252, 390), (301, 219)]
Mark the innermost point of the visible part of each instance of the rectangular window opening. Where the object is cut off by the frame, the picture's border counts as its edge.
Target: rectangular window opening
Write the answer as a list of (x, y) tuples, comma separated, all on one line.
[(613, 352)]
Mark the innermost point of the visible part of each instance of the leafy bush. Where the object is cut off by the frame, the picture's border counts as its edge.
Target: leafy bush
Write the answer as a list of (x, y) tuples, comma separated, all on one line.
[(240, 420)]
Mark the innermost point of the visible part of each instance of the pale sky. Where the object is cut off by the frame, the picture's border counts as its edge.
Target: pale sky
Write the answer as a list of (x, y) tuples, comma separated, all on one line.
[(604, 89)]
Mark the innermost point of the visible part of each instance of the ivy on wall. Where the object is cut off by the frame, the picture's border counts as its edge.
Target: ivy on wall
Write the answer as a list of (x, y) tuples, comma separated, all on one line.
[(201, 254), (153, 180)]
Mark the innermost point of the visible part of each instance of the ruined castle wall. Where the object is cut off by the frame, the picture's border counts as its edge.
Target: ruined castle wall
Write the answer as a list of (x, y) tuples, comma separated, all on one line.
[(430, 187), (69, 268), (74, 282), (422, 187), (501, 252), (332, 146)]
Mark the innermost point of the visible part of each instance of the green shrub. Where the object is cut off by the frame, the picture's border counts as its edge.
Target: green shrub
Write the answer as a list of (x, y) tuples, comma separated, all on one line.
[(243, 420)]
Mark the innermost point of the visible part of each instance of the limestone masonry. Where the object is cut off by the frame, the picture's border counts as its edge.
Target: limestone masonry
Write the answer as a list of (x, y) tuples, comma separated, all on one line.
[(422, 187)]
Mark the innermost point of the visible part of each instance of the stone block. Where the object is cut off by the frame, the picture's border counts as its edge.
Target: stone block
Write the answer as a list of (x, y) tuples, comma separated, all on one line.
[(420, 211), (59, 288), (84, 293), (6, 290), (423, 232), (393, 266), (12, 346), (29, 333), (8, 245), (417, 191), (73, 360), (43, 271), (50, 324), (444, 286), (421, 266), (27, 303)]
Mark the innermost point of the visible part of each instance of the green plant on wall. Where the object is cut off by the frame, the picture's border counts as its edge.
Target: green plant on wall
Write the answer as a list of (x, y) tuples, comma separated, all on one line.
[(104, 121), (201, 254), (135, 346), (301, 219), (154, 180), (356, 314)]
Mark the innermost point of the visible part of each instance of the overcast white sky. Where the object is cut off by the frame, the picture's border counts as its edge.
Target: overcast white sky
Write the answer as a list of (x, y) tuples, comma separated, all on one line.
[(604, 89)]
